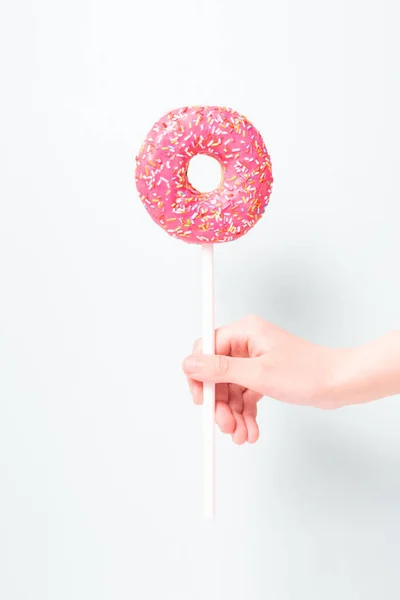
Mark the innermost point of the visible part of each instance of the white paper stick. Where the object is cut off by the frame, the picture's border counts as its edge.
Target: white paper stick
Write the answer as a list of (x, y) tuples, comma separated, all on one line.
[(208, 388)]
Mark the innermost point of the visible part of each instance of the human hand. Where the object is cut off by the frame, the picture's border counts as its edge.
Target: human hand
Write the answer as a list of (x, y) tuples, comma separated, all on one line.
[(256, 358)]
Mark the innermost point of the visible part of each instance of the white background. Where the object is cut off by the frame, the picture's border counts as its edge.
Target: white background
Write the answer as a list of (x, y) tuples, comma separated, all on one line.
[(100, 447)]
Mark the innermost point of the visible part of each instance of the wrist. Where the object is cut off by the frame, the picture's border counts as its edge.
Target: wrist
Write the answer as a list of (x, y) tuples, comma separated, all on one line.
[(337, 376), (365, 373)]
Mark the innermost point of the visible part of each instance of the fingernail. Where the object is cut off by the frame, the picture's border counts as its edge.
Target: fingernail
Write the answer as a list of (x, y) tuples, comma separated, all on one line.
[(191, 364)]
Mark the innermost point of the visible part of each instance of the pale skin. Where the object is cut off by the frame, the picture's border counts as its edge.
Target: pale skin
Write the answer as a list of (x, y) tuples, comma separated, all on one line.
[(255, 358)]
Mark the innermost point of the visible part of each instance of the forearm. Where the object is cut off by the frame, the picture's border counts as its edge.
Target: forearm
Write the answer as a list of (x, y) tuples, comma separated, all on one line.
[(367, 373)]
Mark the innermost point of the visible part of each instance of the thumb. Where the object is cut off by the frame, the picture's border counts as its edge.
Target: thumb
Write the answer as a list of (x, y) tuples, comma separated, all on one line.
[(247, 372)]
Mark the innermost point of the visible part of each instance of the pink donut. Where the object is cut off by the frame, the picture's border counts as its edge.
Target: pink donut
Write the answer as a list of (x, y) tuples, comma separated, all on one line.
[(235, 206)]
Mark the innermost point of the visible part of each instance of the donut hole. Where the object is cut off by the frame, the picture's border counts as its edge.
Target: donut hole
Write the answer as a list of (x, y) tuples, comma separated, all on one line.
[(204, 173)]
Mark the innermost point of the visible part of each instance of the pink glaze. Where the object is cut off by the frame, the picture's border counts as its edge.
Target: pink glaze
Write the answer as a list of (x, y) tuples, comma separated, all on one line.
[(235, 206)]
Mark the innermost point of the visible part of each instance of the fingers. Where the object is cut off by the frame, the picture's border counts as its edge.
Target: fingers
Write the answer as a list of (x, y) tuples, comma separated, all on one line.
[(228, 411), (224, 418), (253, 432), (239, 379), (247, 372), (235, 410), (196, 389), (198, 347), (233, 338), (250, 400), (239, 436)]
